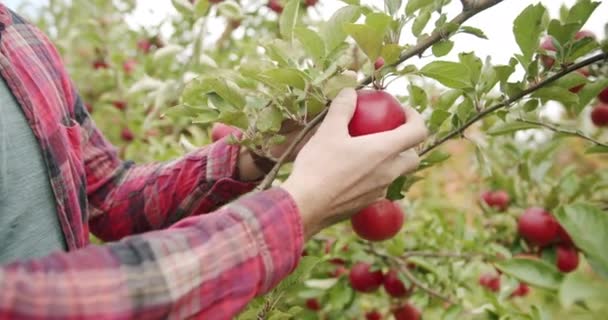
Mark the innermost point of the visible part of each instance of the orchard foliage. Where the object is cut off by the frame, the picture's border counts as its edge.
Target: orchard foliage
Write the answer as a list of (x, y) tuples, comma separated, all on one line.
[(507, 216)]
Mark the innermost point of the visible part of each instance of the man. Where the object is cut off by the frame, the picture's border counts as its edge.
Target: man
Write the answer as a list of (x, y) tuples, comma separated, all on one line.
[(59, 177)]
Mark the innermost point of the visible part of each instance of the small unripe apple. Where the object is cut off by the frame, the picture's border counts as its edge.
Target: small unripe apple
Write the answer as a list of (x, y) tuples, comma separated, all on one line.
[(566, 258), (127, 135), (379, 221), (584, 34), (373, 315), (363, 279), (379, 63), (376, 111), (599, 115), (394, 286), (406, 312), (603, 96), (313, 304), (490, 281), (220, 130), (275, 6), (538, 226)]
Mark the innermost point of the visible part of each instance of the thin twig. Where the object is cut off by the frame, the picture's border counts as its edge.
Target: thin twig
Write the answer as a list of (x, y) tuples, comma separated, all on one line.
[(431, 254), (410, 276), (553, 128), (416, 50), (508, 102)]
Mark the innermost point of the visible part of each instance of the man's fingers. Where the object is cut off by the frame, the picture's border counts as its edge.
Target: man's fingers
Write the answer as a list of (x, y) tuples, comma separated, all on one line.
[(404, 137), (340, 111)]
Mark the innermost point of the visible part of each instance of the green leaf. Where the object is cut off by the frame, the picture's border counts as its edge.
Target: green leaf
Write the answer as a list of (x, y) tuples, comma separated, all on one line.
[(589, 92), (437, 118), (473, 63), (563, 33), (332, 31), (303, 271), (394, 191), (447, 99), (420, 22), (442, 48), (379, 22), (527, 29), (414, 5), (474, 31), (434, 158), (312, 43), (201, 8), (269, 119), (510, 127), (597, 149), (337, 83), (580, 288), (450, 74), (581, 48), (581, 11), (587, 226), (418, 96), (230, 10), (391, 53), (465, 110), (531, 105), (555, 93), (289, 19), (367, 39), (340, 295), (287, 76), (535, 272), (392, 6), (182, 6)]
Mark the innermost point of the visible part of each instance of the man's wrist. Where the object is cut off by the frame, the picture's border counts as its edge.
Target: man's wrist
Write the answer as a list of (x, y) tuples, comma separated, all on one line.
[(304, 202)]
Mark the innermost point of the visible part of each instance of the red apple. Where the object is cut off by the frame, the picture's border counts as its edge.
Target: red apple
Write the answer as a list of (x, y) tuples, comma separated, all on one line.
[(275, 5), (603, 96), (599, 115), (129, 66), (127, 135), (564, 237), (339, 271), (100, 64), (373, 315), (567, 258), (376, 111), (406, 312), (362, 279), (313, 304), (378, 222), (585, 73), (144, 45), (393, 285), (379, 63), (310, 3), (490, 281), (89, 107), (547, 45), (220, 130), (521, 291), (120, 104), (537, 226), (498, 199), (584, 34)]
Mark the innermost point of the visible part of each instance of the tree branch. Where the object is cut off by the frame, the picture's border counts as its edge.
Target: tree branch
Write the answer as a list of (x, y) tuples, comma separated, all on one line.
[(508, 102), (410, 276), (553, 128), (416, 50), (431, 254)]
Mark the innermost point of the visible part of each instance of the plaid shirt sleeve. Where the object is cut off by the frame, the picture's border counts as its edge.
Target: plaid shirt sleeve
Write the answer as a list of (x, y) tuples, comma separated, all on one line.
[(203, 267), (126, 199)]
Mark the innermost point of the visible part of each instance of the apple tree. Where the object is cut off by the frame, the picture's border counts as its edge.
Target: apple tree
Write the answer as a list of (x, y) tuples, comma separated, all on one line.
[(505, 218)]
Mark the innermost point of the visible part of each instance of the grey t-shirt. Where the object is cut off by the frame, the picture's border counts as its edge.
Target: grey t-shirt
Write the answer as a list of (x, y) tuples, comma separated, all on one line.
[(29, 225)]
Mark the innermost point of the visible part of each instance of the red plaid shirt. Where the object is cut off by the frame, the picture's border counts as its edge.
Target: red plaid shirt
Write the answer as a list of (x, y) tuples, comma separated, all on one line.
[(204, 267)]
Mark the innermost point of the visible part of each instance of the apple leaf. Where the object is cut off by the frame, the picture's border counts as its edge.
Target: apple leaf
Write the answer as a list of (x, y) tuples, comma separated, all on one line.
[(312, 43), (392, 6), (394, 191), (510, 127), (556, 93), (418, 96), (474, 31), (579, 287), (367, 39), (535, 272), (581, 11), (450, 74), (414, 5), (589, 92), (379, 22), (438, 117), (289, 19), (442, 48), (391, 52), (269, 119), (597, 149), (230, 10), (587, 226), (420, 22), (332, 31), (291, 77), (527, 29)]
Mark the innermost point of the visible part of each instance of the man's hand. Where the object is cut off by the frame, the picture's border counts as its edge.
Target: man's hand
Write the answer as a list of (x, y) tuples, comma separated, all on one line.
[(336, 174)]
